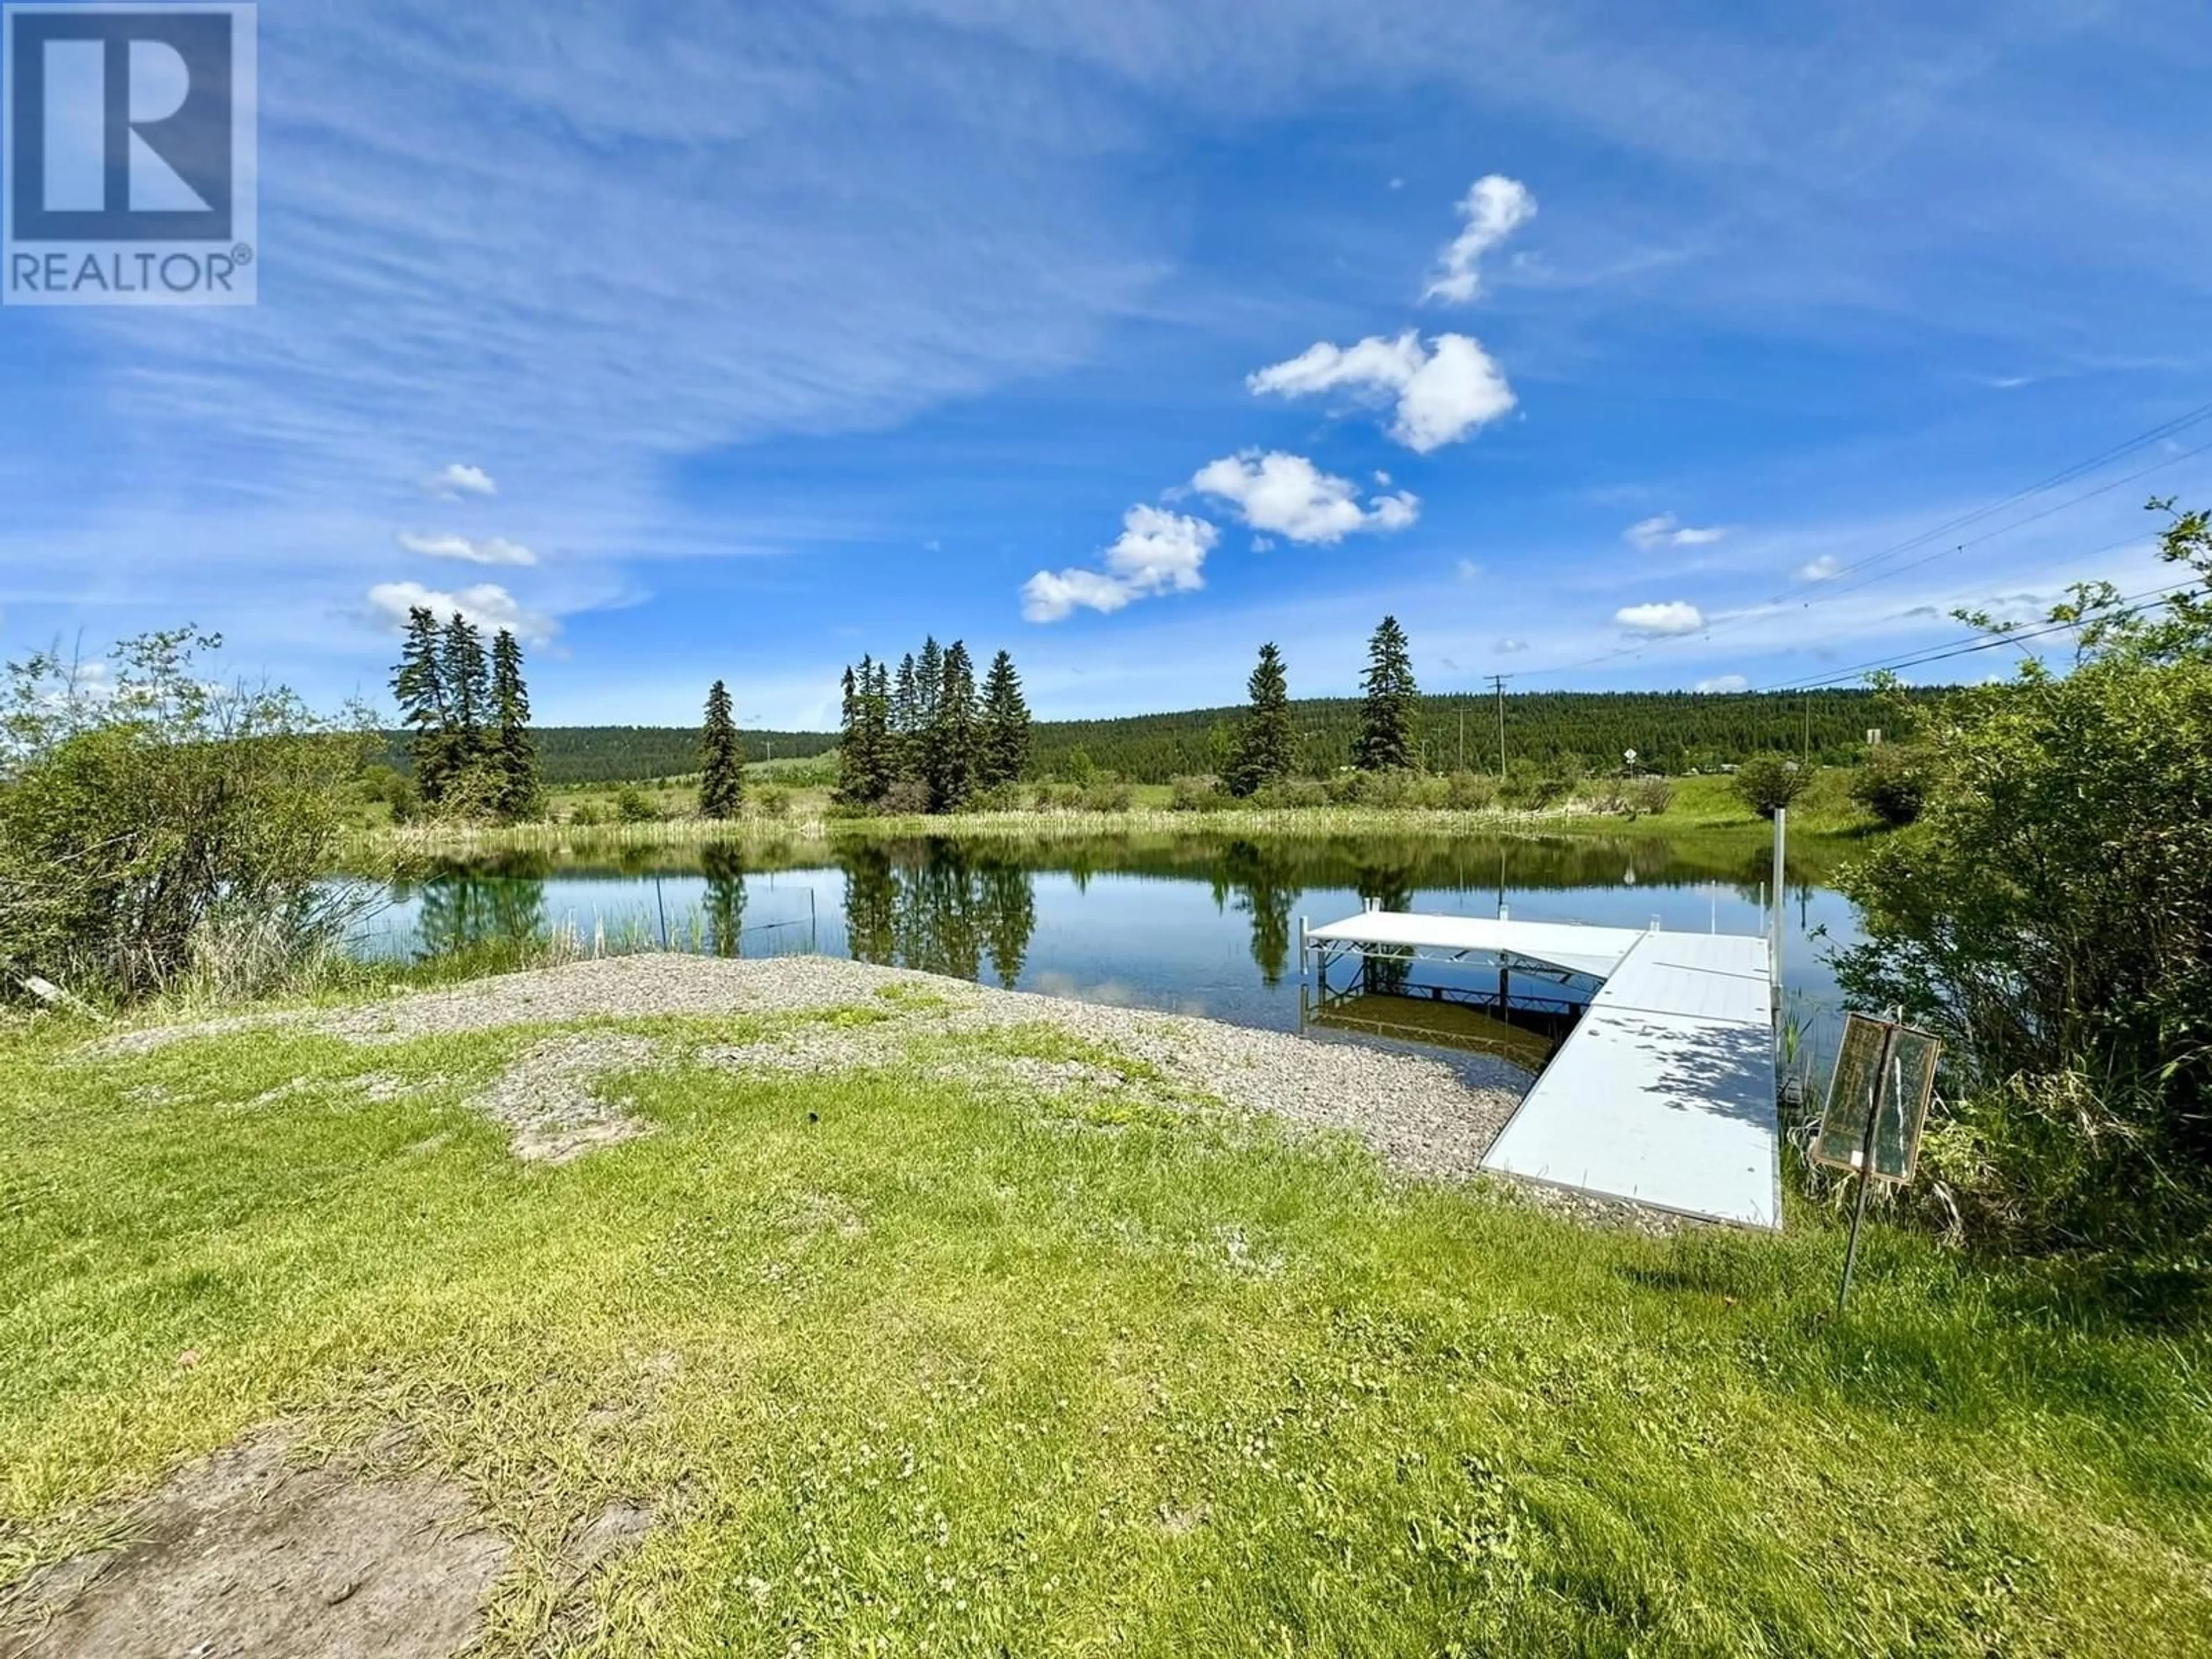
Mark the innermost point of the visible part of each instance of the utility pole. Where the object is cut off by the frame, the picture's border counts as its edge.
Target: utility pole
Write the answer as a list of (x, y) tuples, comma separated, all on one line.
[(1498, 682)]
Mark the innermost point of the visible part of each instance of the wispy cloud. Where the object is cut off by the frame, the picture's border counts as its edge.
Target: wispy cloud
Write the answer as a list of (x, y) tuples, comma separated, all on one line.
[(1649, 535), (1289, 496), (1441, 393), (1494, 208), (489, 606), (1819, 570), (490, 549), (1724, 682), (453, 481)]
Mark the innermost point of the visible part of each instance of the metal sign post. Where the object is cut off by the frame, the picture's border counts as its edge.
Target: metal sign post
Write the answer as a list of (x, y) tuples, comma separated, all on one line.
[(1877, 1103)]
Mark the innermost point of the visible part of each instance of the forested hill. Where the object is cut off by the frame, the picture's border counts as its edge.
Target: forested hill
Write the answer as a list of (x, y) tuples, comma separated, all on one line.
[(625, 754), (1670, 731)]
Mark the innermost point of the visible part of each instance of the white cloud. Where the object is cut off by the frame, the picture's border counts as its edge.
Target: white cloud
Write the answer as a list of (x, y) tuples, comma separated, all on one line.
[(459, 480), (487, 605), (1495, 207), (1468, 570), (1289, 495), (1511, 646), (1157, 552), (1819, 570), (1649, 535), (490, 551), (1441, 393), (1724, 682), (1660, 621)]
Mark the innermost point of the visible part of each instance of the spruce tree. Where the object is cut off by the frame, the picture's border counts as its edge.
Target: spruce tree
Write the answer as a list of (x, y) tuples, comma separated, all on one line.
[(951, 735), (1005, 743), (418, 682), (905, 756), (721, 764), (467, 678), (1386, 722), (521, 794), (1264, 746)]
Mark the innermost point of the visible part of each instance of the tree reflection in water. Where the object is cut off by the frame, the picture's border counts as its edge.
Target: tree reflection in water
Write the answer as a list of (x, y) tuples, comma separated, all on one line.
[(938, 906)]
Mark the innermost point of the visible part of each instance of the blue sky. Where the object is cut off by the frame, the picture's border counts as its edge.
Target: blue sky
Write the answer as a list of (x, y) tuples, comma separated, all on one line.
[(705, 341)]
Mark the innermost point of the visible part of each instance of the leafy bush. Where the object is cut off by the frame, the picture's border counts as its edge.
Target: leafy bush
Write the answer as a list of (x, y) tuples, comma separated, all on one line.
[(634, 806), (1104, 796), (907, 798), (1197, 794), (773, 803), (1470, 792), (1387, 791), (1647, 797), (1891, 784), (2051, 917), (156, 826), (587, 814), (1769, 783), (1528, 788), (1293, 794)]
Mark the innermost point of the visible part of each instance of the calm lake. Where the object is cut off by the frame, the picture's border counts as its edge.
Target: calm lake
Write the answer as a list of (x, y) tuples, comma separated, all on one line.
[(1186, 924)]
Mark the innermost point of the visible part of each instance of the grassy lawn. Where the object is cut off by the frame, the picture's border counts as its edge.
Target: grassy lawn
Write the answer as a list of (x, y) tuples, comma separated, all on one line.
[(910, 1365)]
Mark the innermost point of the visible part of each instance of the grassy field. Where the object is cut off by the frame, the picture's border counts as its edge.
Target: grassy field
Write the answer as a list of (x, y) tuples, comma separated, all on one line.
[(904, 1365)]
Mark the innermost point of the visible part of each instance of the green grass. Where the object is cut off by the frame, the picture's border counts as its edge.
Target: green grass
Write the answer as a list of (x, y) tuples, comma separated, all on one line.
[(913, 1367)]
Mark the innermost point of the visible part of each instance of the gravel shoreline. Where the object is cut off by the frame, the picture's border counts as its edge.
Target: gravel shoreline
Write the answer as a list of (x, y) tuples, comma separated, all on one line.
[(1416, 1114)]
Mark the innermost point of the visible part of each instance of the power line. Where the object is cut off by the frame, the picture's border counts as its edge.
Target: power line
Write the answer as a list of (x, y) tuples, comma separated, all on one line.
[(2131, 605), (1828, 588)]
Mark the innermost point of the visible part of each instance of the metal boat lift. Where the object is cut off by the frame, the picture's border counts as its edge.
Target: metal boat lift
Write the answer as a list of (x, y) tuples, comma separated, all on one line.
[(1663, 1093)]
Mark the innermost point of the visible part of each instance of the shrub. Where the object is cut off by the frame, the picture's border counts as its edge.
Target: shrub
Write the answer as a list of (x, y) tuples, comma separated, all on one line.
[(1892, 785), (2051, 917), (1197, 794), (164, 827), (907, 798), (1647, 797), (1387, 791), (1104, 796), (1342, 788), (1470, 792), (1293, 794), (1769, 783), (773, 803), (634, 806), (1529, 787)]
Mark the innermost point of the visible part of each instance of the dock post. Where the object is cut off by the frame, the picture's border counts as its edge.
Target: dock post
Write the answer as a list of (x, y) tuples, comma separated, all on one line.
[(1774, 922), (1304, 950)]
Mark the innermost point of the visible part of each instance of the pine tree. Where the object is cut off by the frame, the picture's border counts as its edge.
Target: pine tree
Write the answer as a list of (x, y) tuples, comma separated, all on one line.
[(721, 764), (1005, 754), (521, 794), (1386, 722), (951, 735), (467, 678), (928, 687), (419, 683), (905, 758), (1264, 746)]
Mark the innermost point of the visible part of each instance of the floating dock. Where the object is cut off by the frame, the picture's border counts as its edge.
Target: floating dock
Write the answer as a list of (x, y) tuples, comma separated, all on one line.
[(1664, 1093)]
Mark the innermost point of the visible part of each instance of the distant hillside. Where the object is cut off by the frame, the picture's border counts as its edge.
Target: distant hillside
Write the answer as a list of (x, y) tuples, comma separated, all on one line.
[(1670, 731), (624, 754)]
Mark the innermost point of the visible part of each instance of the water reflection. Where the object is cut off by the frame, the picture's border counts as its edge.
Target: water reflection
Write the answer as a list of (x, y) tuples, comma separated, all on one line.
[(1183, 921), (941, 906)]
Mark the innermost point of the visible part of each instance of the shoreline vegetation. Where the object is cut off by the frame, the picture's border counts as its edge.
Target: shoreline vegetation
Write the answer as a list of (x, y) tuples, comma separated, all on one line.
[(1700, 806)]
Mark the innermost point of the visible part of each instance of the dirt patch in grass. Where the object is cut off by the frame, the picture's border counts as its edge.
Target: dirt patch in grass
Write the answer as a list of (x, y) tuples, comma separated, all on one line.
[(548, 1101), (243, 1557)]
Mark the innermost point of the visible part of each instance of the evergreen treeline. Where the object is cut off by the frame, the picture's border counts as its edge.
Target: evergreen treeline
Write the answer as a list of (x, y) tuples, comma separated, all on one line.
[(467, 719), (1673, 731), (924, 739)]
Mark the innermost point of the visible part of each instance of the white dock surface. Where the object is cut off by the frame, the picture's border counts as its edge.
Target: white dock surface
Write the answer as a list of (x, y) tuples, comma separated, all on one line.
[(1665, 1092), (1593, 950)]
